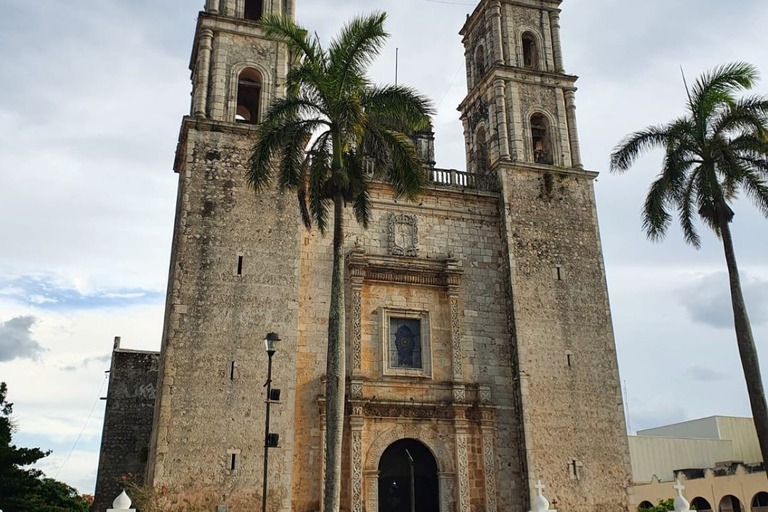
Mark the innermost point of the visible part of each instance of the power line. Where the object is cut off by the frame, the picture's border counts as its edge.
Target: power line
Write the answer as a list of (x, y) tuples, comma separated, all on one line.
[(446, 2), (98, 396), (450, 86)]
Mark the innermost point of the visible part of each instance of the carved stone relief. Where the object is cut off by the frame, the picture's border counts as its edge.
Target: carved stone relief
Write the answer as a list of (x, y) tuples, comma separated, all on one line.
[(403, 235), (463, 473)]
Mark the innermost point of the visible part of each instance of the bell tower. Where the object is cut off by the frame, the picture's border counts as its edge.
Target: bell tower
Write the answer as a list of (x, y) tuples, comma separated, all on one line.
[(521, 103), (520, 130), (234, 277)]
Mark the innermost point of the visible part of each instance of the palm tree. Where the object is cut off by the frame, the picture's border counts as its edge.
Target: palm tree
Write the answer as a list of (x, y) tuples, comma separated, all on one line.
[(717, 149), (321, 140)]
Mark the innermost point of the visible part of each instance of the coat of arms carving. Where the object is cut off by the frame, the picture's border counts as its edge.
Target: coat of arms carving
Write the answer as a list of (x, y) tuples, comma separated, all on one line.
[(403, 235)]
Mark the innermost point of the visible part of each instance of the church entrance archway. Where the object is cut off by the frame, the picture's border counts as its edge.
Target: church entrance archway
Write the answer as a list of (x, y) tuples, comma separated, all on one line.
[(408, 478)]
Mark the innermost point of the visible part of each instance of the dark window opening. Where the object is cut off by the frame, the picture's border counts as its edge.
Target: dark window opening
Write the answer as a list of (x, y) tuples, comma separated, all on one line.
[(480, 62), (542, 146), (530, 52), (759, 502), (232, 371), (233, 462), (570, 361), (730, 503), (482, 161), (700, 504), (248, 97), (560, 273), (645, 505), (253, 9), (239, 265)]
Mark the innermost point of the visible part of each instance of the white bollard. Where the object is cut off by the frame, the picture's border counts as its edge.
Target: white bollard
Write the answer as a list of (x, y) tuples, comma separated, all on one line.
[(681, 504), (122, 504), (540, 503)]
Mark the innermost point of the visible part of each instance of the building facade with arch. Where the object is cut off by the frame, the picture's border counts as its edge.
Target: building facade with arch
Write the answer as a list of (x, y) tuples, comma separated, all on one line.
[(479, 334)]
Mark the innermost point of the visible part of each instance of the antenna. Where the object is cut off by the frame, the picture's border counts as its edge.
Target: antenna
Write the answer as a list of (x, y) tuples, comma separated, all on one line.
[(626, 406), (397, 63)]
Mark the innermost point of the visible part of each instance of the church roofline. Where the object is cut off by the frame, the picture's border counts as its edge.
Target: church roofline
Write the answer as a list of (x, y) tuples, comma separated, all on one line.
[(547, 5)]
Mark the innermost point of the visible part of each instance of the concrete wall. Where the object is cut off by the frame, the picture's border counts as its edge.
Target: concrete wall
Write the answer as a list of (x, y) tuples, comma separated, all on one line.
[(661, 456), (127, 422)]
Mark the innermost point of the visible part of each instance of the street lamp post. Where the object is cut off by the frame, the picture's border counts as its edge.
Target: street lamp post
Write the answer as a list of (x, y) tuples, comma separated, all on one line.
[(270, 440)]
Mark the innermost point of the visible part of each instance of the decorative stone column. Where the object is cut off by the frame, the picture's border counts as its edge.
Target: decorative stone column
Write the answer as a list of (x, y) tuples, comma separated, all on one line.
[(495, 15), (212, 6), (557, 49), (501, 118), (488, 429), (356, 489), (573, 131), (462, 460), (202, 72), (453, 281)]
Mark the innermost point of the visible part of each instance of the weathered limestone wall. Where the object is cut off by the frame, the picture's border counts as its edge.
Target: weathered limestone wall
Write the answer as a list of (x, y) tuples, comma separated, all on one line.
[(465, 226), (127, 422), (571, 396), (217, 317)]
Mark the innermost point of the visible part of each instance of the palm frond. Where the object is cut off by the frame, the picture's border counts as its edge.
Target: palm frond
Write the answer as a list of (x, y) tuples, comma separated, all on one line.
[(284, 29), (632, 146), (686, 212), (721, 83), (398, 108), (359, 42)]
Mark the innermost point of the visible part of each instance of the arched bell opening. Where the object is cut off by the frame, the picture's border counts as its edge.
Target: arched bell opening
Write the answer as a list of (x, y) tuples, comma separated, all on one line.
[(254, 9), (530, 51), (408, 480), (482, 159), (248, 97), (480, 62), (541, 140)]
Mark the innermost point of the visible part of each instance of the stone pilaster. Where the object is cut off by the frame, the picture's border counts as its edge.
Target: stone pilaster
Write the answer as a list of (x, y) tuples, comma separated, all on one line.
[(462, 461), (488, 429), (501, 112), (356, 444), (202, 72), (498, 41), (573, 131), (554, 23)]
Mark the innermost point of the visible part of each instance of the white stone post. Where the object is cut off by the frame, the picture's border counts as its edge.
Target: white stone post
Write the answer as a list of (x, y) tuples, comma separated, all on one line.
[(681, 504), (121, 504), (540, 503)]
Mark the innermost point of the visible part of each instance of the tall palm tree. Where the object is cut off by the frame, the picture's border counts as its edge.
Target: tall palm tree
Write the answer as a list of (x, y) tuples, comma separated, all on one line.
[(714, 151), (321, 140)]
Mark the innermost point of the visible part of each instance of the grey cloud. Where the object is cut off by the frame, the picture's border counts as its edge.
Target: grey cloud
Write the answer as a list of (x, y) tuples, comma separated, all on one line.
[(708, 301), (705, 374), (16, 341), (85, 362)]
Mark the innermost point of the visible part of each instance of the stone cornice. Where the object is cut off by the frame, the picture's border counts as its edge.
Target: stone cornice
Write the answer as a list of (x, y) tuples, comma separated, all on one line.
[(403, 270), (190, 122)]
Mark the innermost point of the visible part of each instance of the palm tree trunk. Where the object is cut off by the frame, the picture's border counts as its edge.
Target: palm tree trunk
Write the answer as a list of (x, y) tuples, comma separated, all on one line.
[(336, 368), (746, 342)]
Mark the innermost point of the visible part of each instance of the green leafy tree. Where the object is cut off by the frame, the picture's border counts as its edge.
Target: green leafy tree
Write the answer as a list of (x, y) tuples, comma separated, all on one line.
[(662, 506), (24, 490), (320, 140), (716, 150)]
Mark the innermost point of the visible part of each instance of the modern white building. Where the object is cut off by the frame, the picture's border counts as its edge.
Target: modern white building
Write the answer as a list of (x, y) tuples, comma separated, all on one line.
[(717, 458)]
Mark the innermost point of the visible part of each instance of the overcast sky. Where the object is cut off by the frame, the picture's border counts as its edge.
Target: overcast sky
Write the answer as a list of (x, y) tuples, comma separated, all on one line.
[(92, 93)]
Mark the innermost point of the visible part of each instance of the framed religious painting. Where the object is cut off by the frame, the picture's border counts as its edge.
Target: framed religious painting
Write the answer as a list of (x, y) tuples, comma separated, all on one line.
[(406, 342)]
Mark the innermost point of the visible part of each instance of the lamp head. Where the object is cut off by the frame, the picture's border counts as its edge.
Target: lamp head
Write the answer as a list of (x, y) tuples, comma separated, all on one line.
[(271, 341)]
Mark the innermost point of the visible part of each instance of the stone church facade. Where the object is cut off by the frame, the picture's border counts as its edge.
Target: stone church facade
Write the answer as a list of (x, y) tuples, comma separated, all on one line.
[(479, 332)]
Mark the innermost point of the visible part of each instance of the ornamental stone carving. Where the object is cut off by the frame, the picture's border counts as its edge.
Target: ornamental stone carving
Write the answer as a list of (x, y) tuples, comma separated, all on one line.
[(403, 235)]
